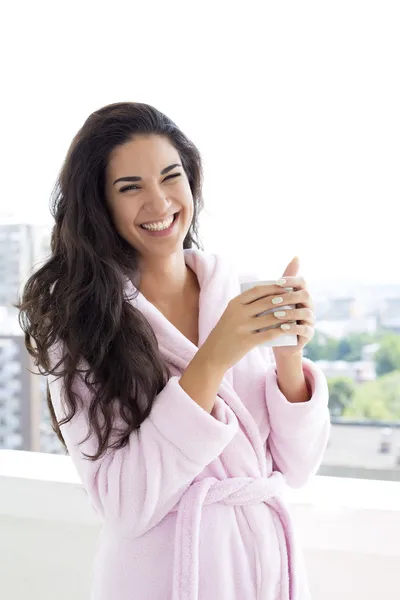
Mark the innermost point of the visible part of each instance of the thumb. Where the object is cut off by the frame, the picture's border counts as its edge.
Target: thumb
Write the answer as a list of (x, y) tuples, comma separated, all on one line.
[(293, 267)]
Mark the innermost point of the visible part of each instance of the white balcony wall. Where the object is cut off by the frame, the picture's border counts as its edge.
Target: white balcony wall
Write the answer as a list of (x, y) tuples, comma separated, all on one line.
[(350, 531)]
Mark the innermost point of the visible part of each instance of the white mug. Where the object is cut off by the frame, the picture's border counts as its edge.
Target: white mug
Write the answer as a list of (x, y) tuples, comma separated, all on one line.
[(286, 339)]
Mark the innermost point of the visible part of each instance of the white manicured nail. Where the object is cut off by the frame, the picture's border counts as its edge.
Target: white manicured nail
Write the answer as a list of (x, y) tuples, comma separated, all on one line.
[(279, 314), (277, 300), (285, 327), (280, 281)]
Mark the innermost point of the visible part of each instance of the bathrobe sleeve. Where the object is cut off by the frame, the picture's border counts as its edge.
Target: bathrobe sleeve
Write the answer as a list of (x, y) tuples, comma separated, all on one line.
[(299, 431), (134, 487)]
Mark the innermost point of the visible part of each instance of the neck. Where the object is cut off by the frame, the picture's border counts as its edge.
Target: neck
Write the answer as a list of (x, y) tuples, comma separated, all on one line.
[(166, 279)]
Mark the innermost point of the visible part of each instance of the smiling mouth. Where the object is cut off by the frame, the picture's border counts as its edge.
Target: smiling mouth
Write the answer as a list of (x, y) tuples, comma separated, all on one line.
[(160, 225)]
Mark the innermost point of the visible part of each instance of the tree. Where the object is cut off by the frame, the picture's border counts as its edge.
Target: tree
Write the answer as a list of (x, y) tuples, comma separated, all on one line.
[(378, 400), (322, 347), (350, 348), (313, 350), (387, 358), (331, 349), (343, 349), (341, 391)]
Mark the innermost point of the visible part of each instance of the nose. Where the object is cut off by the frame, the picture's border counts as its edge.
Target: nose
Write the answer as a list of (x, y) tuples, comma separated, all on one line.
[(156, 202)]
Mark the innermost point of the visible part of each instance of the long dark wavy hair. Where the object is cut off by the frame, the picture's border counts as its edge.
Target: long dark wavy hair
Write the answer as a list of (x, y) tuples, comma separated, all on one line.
[(77, 296)]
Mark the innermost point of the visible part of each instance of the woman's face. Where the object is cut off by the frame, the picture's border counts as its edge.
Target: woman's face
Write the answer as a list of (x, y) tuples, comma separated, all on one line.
[(157, 190)]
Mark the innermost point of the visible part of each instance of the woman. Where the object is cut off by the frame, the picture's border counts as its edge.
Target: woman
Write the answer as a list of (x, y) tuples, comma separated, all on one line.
[(183, 430)]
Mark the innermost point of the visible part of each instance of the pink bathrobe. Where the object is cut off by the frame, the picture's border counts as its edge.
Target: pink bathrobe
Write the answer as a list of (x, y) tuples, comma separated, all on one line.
[(192, 506)]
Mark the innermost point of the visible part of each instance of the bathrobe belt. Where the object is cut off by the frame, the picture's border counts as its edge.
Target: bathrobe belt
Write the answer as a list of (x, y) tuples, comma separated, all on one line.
[(234, 491)]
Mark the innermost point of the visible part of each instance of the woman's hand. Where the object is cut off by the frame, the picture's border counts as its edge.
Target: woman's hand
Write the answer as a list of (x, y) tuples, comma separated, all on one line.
[(303, 314), (243, 326), (301, 319)]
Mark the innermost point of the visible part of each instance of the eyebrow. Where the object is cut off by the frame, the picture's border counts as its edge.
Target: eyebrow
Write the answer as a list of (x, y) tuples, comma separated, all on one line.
[(135, 178)]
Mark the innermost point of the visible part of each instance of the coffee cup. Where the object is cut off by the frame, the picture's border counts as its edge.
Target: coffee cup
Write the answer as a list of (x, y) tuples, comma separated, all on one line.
[(285, 339)]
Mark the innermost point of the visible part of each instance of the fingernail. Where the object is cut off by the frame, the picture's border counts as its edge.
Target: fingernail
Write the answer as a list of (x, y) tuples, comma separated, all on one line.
[(280, 314), (285, 326), (280, 282), (277, 300)]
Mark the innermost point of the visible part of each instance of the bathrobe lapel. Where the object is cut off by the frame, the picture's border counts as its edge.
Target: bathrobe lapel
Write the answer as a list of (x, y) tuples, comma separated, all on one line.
[(218, 285)]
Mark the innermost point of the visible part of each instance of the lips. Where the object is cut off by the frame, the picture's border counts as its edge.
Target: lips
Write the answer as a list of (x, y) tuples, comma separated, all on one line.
[(160, 220)]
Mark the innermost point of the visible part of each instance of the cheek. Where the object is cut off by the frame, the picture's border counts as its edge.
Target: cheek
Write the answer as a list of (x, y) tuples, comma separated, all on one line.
[(187, 193), (125, 216)]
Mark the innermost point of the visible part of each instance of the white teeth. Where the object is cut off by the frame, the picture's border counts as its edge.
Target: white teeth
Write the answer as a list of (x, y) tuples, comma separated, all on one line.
[(160, 225)]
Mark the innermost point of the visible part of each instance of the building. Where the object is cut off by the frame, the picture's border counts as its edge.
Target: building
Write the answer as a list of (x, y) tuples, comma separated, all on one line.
[(342, 328), (22, 248), (24, 418), (363, 450), (389, 315), (359, 371), (339, 317)]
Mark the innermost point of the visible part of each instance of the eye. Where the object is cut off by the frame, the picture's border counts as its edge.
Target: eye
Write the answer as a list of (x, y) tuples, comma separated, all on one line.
[(173, 175), (136, 187), (128, 187)]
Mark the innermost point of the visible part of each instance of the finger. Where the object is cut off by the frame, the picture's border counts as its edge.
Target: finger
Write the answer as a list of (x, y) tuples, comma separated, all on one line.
[(296, 282), (306, 315), (274, 319), (283, 299), (261, 291), (301, 297), (304, 331)]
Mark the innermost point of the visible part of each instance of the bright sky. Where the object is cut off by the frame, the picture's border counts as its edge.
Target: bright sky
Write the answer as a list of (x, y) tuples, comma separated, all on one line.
[(293, 105)]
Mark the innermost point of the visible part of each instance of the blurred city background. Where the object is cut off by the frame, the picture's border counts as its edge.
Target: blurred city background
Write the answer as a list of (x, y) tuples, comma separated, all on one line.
[(294, 107), (357, 345)]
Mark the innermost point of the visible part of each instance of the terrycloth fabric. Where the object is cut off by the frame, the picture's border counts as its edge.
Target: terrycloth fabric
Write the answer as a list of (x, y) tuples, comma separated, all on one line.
[(193, 506), (235, 491)]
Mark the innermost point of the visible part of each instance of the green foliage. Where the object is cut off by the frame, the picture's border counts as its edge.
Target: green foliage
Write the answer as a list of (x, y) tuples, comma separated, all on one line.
[(387, 358), (322, 347), (341, 391), (350, 348), (378, 400)]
